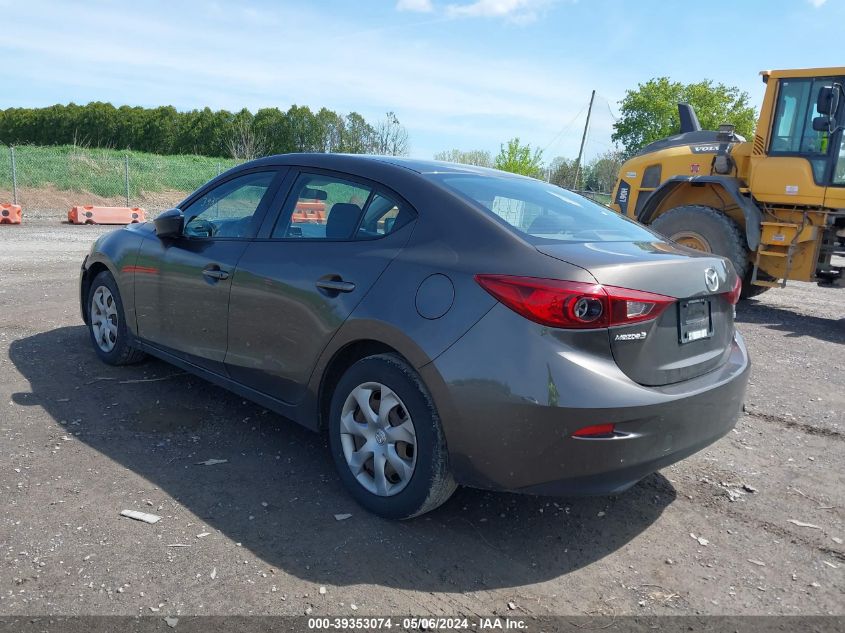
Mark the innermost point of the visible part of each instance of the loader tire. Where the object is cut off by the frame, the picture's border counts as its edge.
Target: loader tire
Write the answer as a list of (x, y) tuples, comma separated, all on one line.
[(709, 230), (750, 290)]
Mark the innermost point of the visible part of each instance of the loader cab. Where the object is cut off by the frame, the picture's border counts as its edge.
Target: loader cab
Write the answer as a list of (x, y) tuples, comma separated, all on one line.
[(803, 118)]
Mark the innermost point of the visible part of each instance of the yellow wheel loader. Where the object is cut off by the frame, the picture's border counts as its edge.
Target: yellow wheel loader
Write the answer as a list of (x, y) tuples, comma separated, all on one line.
[(774, 205)]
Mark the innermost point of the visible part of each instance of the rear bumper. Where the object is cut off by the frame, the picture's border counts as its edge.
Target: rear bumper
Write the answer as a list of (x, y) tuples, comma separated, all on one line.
[(509, 424), (672, 433)]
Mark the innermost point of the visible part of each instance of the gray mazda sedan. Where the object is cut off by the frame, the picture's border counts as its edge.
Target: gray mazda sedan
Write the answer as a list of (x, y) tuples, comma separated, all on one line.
[(445, 324)]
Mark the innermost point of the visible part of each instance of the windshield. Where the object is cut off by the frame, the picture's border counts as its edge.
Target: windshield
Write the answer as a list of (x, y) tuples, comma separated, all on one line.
[(546, 211)]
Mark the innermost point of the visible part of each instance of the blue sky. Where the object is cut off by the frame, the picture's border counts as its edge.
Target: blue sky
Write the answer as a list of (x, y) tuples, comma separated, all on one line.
[(465, 74)]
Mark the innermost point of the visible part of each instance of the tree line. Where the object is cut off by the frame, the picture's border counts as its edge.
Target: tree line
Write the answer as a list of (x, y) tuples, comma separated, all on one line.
[(647, 113), (598, 174), (165, 130)]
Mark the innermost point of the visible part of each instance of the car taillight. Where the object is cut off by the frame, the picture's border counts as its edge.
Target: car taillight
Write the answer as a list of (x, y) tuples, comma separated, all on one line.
[(573, 304), (733, 295)]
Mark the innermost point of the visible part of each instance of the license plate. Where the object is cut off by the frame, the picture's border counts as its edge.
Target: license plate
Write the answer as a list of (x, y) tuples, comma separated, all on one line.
[(695, 320)]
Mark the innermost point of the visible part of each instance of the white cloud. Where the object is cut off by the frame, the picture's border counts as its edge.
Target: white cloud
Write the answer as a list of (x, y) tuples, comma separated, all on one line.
[(447, 96), (417, 6), (519, 11), (817, 3)]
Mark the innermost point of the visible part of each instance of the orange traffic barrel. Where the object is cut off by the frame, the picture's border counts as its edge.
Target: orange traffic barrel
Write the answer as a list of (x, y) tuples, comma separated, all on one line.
[(313, 212), (10, 213), (105, 215)]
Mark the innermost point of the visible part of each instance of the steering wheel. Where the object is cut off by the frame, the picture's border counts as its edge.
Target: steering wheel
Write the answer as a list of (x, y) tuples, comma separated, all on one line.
[(200, 227)]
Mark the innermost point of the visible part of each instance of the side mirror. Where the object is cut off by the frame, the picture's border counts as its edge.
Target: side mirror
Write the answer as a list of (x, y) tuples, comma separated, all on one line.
[(821, 123), (170, 223), (828, 101)]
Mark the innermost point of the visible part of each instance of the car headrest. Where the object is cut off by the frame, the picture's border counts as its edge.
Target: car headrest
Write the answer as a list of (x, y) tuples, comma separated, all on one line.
[(342, 220)]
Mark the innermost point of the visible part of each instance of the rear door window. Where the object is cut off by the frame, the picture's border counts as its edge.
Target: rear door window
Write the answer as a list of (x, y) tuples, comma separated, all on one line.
[(383, 216), (331, 208), (322, 208)]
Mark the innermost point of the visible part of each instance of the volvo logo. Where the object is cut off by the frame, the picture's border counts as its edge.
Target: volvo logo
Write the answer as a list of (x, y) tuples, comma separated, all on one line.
[(711, 279)]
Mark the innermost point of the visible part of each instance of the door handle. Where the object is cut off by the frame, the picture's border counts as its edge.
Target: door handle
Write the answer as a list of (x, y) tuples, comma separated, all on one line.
[(215, 273), (336, 285)]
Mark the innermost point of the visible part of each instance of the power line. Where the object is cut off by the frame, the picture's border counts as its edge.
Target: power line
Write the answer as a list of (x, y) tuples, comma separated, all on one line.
[(609, 109), (595, 140), (565, 128)]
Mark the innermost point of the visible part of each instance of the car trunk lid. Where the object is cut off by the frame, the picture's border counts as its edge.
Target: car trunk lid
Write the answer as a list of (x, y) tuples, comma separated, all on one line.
[(689, 338)]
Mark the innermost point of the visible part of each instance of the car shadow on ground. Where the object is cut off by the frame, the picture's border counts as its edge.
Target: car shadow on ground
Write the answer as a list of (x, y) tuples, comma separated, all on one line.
[(793, 323), (161, 428)]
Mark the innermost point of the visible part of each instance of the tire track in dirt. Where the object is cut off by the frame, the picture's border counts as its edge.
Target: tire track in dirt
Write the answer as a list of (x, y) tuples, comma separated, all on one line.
[(742, 513), (809, 429)]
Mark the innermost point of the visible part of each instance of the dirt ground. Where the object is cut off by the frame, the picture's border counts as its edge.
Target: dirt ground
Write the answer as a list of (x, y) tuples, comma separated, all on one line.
[(753, 525)]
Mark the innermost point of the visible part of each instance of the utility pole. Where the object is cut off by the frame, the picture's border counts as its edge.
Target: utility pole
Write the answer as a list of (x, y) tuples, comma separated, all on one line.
[(583, 140)]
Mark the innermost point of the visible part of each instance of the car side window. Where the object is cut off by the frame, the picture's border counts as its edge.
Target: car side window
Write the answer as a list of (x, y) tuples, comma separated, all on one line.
[(382, 216), (228, 209), (322, 208)]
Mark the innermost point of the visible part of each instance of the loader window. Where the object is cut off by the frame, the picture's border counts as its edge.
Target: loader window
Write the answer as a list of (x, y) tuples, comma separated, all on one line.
[(793, 133), (839, 172), (793, 98)]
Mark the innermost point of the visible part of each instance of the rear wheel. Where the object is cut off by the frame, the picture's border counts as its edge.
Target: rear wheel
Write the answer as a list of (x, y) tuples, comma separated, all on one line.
[(706, 229), (386, 439), (107, 323)]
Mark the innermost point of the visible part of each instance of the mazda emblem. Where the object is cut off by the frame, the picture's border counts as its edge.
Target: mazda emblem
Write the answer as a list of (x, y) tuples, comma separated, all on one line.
[(711, 279)]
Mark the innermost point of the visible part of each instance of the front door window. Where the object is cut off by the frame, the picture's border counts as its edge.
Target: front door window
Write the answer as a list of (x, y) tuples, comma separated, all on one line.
[(228, 210)]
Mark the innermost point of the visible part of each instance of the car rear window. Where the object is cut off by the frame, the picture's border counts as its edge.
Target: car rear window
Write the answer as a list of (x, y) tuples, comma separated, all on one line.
[(546, 211)]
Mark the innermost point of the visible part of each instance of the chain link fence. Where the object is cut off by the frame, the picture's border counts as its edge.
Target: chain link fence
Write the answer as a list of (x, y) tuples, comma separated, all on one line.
[(49, 180)]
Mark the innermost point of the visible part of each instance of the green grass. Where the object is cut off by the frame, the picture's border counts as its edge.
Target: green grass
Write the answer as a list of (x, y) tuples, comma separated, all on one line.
[(102, 171), (601, 198)]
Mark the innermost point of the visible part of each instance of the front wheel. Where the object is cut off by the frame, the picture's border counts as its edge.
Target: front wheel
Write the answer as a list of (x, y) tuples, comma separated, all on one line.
[(107, 323), (386, 439)]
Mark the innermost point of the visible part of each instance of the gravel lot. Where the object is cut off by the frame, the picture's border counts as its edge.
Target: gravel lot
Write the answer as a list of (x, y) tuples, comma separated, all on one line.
[(753, 525)]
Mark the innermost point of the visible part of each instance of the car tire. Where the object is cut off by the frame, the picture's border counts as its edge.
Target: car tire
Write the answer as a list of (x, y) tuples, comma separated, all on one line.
[(718, 233), (107, 323), (361, 444)]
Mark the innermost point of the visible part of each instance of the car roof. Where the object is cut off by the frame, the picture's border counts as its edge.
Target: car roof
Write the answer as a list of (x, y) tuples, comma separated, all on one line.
[(342, 162)]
